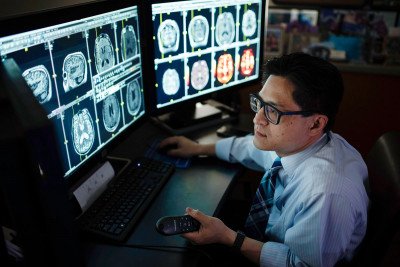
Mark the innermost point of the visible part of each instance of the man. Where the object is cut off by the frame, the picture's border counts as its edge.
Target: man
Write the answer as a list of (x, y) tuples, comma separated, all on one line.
[(318, 214)]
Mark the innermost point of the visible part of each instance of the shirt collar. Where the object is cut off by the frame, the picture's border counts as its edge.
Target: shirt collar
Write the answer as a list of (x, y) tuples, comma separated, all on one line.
[(290, 163)]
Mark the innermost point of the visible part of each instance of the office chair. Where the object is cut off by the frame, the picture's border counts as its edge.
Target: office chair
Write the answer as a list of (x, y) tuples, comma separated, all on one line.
[(383, 162)]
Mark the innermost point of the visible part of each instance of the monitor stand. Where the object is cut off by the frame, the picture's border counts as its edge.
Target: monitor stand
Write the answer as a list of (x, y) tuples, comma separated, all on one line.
[(196, 116)]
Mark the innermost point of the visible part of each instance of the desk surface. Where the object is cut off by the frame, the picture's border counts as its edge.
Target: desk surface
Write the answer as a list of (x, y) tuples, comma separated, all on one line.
[(202, 186)]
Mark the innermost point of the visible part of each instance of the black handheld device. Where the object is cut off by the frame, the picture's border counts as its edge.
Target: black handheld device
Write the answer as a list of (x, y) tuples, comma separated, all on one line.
[(173, 225)]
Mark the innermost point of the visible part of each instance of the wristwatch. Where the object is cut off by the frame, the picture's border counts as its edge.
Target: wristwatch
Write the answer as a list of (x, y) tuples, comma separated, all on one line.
[(240, 236)]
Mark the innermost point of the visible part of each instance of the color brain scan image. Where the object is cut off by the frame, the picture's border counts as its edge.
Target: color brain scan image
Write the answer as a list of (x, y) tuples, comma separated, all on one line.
[(82, 132), (170, 82), (198, 31), (168, 36), (133, 97), (111, 113), (249, 23), (199, 75), (103, 53), (74, 71), (201, 47), (225, 68), (247, 62), (128, 42), (38, 79), (225, 29)]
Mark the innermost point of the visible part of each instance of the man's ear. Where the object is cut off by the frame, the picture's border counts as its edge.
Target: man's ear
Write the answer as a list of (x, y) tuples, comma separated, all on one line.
[(318, 123)]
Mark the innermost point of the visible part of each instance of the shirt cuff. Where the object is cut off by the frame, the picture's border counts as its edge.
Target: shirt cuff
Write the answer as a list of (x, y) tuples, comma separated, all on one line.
[(273, 254)]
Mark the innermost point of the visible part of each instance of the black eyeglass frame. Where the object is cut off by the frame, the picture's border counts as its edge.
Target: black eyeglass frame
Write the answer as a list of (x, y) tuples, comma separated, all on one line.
[(280, 113)]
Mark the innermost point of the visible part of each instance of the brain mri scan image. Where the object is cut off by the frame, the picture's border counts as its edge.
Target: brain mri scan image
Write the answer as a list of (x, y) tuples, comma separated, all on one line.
[(133, 97), (168, 36), (247, 62), (198, 31), (224, 68), (199, 75), (38, 79), (82, 132), (170, 82), (111, 113), (249, 23), (103, 53), (74, 71), (225, 29), (128, 42)]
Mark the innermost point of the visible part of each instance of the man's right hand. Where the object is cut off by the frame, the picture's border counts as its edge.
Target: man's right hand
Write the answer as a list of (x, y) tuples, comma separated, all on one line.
[(186, 148)]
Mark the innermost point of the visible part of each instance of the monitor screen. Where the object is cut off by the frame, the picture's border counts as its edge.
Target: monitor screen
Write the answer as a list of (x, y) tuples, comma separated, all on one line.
[(86, 72), (203, 46)]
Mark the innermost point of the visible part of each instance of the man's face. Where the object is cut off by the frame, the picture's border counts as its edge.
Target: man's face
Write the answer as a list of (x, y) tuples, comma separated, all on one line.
[(292, 134)]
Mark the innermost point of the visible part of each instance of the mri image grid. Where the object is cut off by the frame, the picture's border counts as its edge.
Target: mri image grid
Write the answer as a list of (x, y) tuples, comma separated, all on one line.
[(204, 46), (87, 76)]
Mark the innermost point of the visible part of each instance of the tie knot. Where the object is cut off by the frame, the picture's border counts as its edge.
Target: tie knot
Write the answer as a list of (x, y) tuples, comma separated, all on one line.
[(277, 163)]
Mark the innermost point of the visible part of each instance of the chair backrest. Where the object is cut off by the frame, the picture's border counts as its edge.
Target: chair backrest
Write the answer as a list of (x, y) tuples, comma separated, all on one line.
[(383, 162)]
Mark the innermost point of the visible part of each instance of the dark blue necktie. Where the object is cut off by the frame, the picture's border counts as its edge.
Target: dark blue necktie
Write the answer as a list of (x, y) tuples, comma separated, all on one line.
[(256, 222)]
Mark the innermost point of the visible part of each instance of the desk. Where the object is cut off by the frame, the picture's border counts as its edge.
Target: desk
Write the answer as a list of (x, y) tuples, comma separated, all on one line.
[(203, 186)]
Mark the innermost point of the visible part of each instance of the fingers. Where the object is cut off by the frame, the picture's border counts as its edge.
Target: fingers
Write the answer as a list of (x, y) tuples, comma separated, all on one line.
[(198, 215), (192, 236), (178, 146), (169, 141), (212, 230)]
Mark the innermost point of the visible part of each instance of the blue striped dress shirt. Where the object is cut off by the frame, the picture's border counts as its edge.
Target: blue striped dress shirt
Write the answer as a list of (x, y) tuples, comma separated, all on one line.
[(320, 210)]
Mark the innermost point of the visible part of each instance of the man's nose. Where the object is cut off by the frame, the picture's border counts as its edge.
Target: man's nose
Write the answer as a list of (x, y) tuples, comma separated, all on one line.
[(259, 117)]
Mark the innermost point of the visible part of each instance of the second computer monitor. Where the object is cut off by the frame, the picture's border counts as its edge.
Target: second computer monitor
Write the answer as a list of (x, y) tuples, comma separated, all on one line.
[(203, 46)]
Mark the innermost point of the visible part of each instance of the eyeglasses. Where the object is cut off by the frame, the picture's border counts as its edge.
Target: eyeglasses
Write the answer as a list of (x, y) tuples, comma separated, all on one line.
[(272, 114)]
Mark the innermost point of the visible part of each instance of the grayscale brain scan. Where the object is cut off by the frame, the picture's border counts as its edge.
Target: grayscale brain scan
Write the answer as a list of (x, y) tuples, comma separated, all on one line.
[(103, 53), (225, 29), (74, 71), (249, 23), (82, 131), (128, 42), (111, 113), (199, 75), (38, 79), (86, 74), (168, 36), (133, 97), (198, 31), (170, 82)]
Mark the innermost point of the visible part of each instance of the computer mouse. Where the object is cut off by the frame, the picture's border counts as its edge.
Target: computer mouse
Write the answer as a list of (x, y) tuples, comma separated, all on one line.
[(166, 148)]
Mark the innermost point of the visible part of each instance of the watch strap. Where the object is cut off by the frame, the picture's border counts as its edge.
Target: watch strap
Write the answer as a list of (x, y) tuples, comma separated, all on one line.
[(240, 236)]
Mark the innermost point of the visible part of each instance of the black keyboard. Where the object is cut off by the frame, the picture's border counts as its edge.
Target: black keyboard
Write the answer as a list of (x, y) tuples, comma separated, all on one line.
[(122, 204)]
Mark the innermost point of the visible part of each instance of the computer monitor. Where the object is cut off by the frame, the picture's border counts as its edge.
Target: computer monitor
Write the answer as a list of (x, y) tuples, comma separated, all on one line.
[(202, 47), (84, 65)]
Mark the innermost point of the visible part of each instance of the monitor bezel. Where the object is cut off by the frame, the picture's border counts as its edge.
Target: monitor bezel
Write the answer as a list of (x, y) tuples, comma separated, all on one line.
[(151, 98), (45, 18), (35, 197)]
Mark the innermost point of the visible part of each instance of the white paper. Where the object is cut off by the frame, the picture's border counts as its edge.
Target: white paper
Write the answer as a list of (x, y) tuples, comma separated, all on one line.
[(92, 188)]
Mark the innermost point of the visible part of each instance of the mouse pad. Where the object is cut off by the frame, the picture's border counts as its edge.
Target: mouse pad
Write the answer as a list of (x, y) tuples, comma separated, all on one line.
[(153, 153)]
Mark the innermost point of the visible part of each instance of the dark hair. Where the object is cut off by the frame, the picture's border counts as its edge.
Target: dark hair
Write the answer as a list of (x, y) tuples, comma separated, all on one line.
[(318, 84)]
